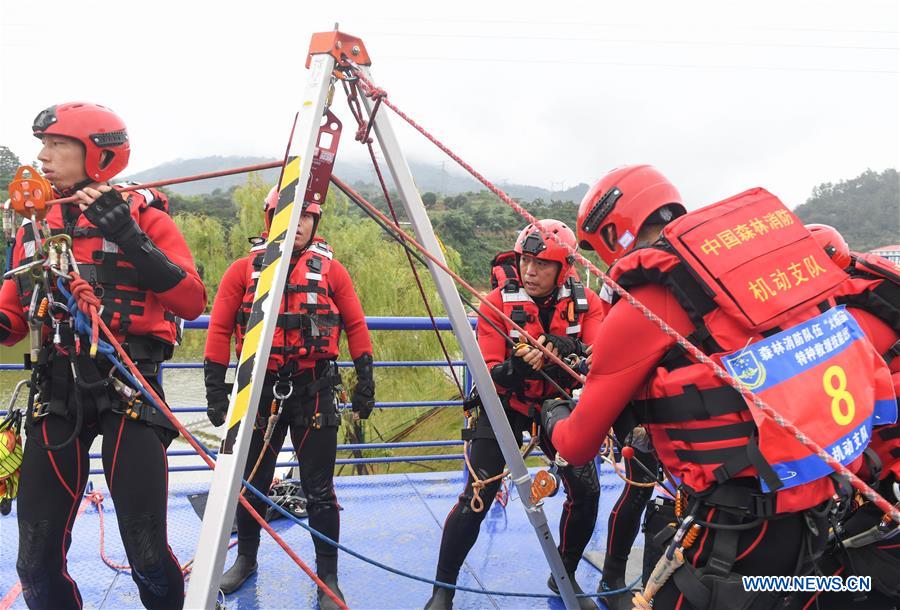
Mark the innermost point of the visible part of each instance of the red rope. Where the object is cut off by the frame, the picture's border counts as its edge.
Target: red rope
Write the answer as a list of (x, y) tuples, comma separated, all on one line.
[(362, 135), (88, 302), (406, 237), (503, 494), (182, 180), (415, 271), (96, 498), (858, 483)]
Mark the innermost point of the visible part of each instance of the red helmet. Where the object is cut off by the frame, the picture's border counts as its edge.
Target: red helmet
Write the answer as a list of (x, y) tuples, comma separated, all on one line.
[(99, 129), (617, 206), (535, 240), (271, 203), (832, 242)]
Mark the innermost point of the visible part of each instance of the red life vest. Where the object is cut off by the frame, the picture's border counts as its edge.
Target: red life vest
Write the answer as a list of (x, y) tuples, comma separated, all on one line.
[(309, 322), (760, 293), (504, 269), (875, 288), (128, 308), (571, 303)]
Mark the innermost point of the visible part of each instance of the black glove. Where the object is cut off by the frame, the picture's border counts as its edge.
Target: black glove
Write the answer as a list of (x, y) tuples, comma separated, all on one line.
[(512, 372), (112, 215), (363, 399), (566, 346), (216, 391), (554, 411)]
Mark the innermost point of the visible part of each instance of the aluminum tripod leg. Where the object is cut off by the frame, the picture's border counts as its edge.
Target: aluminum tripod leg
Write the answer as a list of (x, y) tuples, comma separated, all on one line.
[(415, 209), (226, 482)]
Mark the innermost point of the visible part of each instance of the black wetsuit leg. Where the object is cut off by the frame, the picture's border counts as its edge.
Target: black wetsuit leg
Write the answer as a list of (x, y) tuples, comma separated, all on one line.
[(316, 451), (248, 528), (625, 517), (462, 524), (50, 493), (579, 514), (136, 468)]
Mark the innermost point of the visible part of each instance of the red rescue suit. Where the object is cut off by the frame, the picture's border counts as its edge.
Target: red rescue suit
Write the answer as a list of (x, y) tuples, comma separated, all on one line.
[(728, 276), (576, 313), (318, 300), (128, 309), (874, 288)]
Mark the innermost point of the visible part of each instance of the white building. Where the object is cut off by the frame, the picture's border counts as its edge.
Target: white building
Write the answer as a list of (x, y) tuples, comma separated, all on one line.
[(892, 253)]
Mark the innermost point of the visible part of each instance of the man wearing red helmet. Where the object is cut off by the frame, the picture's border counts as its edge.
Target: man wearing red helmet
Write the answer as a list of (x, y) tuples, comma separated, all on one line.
[(542, 294), (873, 295), (745, 282), (139, 265), (319, 300)]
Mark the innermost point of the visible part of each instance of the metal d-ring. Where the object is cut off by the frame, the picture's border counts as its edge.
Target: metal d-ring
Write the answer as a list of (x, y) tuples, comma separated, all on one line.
[(280, 383)]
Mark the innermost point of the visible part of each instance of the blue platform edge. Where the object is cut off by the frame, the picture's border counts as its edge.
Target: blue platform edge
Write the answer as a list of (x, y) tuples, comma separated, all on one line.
[(396, 519)]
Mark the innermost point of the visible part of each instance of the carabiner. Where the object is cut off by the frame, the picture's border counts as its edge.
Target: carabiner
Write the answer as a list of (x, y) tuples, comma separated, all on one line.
[(280, 383), (680, 534)]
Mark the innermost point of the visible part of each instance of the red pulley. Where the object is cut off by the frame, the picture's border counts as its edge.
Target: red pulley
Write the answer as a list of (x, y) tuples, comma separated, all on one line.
[(29, 193)]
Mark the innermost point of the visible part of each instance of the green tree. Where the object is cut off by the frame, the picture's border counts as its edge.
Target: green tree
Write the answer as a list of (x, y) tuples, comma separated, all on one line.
[(9, 163), (204, 236), (249, 199), (865, 209), (219, 204)]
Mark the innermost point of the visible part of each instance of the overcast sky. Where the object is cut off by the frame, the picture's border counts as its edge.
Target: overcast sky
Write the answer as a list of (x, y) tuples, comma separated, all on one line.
[(720, 95)]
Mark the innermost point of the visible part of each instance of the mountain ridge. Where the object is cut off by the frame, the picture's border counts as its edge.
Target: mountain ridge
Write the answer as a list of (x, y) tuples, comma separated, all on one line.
[(428, 177)]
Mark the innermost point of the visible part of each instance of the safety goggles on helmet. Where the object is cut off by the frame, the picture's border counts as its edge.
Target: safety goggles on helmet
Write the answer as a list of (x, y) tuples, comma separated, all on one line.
[(97, 128), (44, 120), (537, 240), (533, 244)]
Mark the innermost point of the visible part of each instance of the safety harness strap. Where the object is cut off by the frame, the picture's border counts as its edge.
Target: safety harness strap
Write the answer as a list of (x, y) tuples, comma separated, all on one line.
[(692, 405), (743, 458), (108, 272), (888, 433), (879, 301), (733, 497), (726, 432)]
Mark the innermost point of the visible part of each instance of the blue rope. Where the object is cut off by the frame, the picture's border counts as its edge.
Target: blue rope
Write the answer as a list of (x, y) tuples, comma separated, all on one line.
[(83, 325), (388, 568)]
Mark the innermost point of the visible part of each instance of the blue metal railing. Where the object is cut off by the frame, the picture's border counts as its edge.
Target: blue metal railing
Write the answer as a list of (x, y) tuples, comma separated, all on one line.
[(375, 323)]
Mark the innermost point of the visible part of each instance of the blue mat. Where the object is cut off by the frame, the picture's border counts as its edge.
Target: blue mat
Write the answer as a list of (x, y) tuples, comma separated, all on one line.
[(395, 519)]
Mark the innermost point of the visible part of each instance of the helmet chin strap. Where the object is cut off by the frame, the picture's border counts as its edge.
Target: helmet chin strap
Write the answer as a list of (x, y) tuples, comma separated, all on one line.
[(76, 187), (312, 235)]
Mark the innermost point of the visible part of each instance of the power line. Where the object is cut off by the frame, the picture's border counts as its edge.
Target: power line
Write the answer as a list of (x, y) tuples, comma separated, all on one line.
[(650, 41), (544, 24), (636, 64)]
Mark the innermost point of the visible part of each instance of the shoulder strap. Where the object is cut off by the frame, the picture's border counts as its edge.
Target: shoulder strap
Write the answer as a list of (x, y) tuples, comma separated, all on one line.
[(658, 264), (880, 298), (504, 272), (147, 197)]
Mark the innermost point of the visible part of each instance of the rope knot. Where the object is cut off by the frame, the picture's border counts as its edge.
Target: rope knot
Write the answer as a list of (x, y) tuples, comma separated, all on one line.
[(362, 134), (83, 293), (96, 498)]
